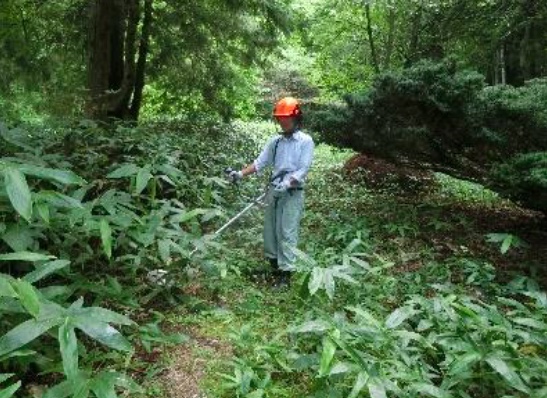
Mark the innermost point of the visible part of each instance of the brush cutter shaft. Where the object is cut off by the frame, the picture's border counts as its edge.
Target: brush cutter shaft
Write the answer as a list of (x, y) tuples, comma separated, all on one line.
[(234, 218), (238, 215)]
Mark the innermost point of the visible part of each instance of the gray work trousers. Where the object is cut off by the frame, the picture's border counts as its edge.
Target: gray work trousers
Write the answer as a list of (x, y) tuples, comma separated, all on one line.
[(281, 225)]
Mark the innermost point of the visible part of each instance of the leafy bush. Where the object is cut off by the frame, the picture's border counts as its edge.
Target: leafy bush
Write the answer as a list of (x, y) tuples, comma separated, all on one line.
[(95, 209), (434, 116)]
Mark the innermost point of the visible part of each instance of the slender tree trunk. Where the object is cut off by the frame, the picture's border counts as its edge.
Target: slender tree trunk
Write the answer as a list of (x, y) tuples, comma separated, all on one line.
[(496, 62), (117, 43), (371, 38), (119, 106), (503, 65), (415, 35), (391, 20), (141, 63), (98, 69)]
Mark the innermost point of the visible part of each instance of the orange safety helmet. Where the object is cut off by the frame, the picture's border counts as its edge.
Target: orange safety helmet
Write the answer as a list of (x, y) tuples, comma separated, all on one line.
[(287, 106)]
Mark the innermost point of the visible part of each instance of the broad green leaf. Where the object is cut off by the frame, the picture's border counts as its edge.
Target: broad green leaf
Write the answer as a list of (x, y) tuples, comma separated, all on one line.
[(45, 270), (312, 327), (69, 350), (183, 217), (353, 354), (329, 283), (211, 214), (100, 314), (66, 177), (431, 391), (533, 323), (6, 290), (61, 390), (376, 388), (316, 280), (25, 333), (43, 212), (500, 366), (360, 383), (304, 290), (10, 391), (340, 368), (19, 237), (164, 249), (506, 244), (25, 256), (106, 237), (104, 385), (5, 376), (127, 170), (27, 296), (103, 333), (10, 304), (58, 200), (143, 176), (462, 363), (76, 306), (17, 354), (397, 317), (18, 192), (366, 316), (424, 325), (52, 292), (329, 349), (363, 264), (256, 394)]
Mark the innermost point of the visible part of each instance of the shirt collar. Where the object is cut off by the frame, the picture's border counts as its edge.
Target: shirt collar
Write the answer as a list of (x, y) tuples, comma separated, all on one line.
[(294, 136)]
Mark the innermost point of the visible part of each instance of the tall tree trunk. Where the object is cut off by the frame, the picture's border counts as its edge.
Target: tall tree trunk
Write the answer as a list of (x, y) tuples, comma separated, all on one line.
[(371, 38), (98, 68), (413, 51), (119, 105), (117, 38), (141, 63), (112, 53), (525, 53), (391, 19), (503, 65)]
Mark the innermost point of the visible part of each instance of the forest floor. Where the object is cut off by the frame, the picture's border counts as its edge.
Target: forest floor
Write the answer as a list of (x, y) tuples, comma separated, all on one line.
[(234, 322)]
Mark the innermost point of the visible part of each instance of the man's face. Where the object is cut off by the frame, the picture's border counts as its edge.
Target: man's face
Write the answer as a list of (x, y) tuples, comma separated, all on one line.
[(286, 123)]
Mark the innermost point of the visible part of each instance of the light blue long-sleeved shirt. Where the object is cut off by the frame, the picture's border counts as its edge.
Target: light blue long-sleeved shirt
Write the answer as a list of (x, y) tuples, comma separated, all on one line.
[(293, 157)]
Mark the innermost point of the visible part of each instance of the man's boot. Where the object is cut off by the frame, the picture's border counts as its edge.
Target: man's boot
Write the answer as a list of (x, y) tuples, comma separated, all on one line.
[(283, 279)]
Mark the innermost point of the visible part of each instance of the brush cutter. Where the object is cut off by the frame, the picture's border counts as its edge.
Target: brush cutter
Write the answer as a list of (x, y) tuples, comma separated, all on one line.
[(159, 276)]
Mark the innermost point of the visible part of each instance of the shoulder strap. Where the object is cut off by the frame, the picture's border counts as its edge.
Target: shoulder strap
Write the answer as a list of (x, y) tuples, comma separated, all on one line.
[(271, 178)]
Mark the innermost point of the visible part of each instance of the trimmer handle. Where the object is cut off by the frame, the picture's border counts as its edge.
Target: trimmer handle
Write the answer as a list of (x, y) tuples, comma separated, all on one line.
[(227, 172)]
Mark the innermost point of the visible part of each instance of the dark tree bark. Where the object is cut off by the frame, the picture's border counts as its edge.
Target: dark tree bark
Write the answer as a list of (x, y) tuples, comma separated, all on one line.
[(98, 69), (141, 63), (112, 69)]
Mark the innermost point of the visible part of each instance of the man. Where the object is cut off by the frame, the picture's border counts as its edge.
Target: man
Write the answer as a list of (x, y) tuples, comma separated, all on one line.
[(290, 155)]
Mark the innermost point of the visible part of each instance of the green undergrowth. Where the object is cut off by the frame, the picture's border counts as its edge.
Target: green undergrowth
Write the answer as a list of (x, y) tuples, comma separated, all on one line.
[(394, 296)]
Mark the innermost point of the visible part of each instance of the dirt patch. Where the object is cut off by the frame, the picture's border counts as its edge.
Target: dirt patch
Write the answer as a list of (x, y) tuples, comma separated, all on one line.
[(380, 173), (184, 376)]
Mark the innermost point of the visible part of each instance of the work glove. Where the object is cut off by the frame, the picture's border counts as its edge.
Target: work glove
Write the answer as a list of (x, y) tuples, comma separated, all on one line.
[(235, 176), (282, 186)]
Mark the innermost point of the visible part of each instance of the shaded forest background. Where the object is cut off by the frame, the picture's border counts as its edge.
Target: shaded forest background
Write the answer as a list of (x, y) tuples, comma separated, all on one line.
[(118, 117), (472, 110)]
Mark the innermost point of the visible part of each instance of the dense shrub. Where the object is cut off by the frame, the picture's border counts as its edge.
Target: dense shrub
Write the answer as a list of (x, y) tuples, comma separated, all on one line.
[(436, 116)]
